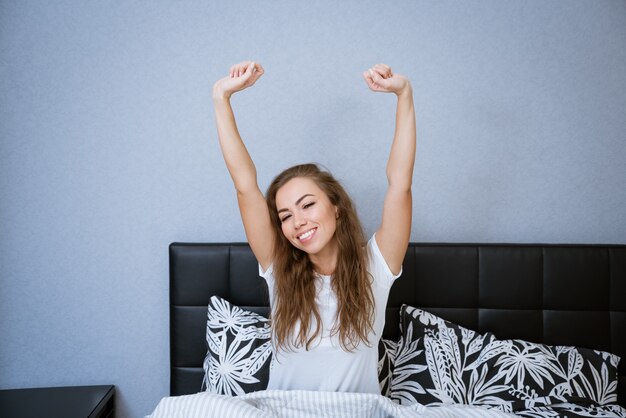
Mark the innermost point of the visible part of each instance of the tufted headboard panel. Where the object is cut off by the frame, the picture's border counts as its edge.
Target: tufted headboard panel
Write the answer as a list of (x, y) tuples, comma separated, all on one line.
[(552, 294)]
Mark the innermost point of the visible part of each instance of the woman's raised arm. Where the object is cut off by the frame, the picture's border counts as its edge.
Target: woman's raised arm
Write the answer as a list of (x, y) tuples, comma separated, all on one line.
[(252, 206), (394, 232)]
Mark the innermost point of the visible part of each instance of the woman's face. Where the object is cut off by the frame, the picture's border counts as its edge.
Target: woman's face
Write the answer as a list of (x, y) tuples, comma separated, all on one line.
[(308, 218)]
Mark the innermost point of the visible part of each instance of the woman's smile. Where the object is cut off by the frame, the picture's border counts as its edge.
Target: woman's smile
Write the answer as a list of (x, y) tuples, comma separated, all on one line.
[(307, 236)]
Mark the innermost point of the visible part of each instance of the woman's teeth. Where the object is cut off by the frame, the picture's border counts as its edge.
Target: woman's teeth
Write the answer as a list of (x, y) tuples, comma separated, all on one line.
[(306, 235)]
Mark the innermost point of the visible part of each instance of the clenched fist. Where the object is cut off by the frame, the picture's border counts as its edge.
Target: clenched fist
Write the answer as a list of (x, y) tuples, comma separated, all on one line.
[(379, 78), (241, 76)]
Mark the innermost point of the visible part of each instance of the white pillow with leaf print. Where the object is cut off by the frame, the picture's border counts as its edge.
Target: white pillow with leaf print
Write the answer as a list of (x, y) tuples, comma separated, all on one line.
[(239, 349)]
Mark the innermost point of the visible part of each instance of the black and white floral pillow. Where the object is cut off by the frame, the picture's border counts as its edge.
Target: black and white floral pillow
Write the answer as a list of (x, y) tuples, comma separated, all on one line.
[(435, 362), (539, 374), (570, 410), (386, 361), (239, 349), (438, 362)]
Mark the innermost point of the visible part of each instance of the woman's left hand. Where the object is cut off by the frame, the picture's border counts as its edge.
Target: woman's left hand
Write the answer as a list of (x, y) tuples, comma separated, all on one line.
[(379, 78)]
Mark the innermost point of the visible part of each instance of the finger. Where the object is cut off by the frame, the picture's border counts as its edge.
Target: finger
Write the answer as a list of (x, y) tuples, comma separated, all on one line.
[(250, 70), (252, 74), (240, 68), (236, 70), (384, 70), (377, 70), (369, 78), (379, 81), (258, 71)]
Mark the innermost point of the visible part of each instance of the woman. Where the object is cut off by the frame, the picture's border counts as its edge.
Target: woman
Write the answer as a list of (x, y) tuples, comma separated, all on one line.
[(328, 288)]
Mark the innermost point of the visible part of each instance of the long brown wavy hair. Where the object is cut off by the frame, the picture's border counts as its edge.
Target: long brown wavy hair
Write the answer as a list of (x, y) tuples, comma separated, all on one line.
[(295, 291)]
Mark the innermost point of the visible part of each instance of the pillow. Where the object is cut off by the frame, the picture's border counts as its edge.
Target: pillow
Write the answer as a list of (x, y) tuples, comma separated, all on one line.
[(539, 374), (596, 379), (435, 360), (239, 349), (386, 359), (438, 362), (570, 410)]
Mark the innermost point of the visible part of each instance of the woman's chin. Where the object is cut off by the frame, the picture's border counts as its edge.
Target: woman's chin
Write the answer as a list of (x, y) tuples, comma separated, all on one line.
[(305, 249), (309, 249)]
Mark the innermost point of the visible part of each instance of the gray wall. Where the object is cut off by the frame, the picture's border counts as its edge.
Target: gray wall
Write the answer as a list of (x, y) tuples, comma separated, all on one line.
[(109, 149)]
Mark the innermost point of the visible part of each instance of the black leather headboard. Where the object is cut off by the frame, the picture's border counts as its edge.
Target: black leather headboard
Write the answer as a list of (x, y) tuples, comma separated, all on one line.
[(552, 294)]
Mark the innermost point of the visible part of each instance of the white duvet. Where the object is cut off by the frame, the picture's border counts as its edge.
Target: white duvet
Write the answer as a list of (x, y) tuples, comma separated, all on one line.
[(305, 404)]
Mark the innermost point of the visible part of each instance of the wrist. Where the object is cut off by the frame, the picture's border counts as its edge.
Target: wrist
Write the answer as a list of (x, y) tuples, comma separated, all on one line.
[(406, 91), (220, 96)]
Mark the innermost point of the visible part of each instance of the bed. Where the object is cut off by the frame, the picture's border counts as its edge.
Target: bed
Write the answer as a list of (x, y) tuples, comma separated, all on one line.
[(499, 296)]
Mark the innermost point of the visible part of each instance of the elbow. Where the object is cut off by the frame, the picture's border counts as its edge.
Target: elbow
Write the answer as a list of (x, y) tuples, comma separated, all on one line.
[(400, 180), (246, 188), (404, 187), (246, 184)]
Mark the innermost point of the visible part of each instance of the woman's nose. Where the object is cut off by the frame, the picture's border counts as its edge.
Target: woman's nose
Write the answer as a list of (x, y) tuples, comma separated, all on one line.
[(298, 221)]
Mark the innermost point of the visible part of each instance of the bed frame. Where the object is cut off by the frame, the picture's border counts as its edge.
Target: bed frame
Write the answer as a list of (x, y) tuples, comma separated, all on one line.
[(552, 294)]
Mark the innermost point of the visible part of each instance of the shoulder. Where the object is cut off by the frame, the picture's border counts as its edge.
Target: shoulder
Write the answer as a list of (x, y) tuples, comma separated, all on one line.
[(377, 265)]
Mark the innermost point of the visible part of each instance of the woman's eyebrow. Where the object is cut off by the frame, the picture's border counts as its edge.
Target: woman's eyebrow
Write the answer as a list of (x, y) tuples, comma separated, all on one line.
[(297, 202)]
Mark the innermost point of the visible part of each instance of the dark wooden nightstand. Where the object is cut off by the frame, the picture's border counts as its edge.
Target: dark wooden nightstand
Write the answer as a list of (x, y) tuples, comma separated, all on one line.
[(59, 402)]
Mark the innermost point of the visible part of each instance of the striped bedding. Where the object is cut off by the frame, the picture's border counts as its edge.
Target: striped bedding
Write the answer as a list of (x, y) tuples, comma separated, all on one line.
[(298, 403)]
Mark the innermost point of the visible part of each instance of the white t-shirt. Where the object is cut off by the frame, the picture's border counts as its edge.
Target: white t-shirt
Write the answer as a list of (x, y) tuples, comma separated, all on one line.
[(326, 366)]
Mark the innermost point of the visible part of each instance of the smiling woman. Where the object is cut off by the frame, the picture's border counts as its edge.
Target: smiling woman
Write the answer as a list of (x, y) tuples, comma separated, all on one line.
[(320, 236), (328, 285)]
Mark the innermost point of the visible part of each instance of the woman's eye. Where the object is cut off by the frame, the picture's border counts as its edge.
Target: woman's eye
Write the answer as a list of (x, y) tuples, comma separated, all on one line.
[(308, 204), (285, 218)]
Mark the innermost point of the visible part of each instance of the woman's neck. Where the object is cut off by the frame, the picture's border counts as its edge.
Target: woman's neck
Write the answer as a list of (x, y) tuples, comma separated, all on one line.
[(325, 261)]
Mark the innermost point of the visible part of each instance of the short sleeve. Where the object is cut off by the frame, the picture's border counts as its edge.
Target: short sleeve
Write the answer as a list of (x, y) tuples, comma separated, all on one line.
[(268, 274), (378, 266)]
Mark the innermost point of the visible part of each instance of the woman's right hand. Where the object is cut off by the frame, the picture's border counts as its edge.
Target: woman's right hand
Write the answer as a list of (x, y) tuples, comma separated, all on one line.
[(241, 76)]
